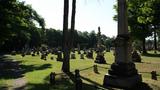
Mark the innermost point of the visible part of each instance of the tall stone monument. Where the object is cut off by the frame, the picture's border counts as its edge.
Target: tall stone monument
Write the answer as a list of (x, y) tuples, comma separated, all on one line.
[(100, 55), (122, 73)]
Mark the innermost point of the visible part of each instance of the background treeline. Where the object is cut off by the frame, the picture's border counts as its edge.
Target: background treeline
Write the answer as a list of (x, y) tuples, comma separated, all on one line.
[(84, 39), (22, 27)]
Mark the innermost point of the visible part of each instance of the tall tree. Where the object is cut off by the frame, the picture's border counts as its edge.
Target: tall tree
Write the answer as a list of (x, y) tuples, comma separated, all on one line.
[(66, 52), (73, 22), (156, 21)]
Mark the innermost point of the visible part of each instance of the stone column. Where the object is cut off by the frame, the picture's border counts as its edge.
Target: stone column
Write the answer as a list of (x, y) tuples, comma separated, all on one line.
[(99, 37), (122, 73)]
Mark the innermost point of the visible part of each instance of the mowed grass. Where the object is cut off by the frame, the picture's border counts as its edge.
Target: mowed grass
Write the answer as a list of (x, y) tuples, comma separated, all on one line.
[(36, 72)]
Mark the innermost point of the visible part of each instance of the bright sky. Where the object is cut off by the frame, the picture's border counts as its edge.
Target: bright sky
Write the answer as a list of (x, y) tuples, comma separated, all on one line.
[(89, 14)]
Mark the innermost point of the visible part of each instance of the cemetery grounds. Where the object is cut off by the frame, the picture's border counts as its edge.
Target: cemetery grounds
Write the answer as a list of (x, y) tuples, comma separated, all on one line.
[(32, 73)]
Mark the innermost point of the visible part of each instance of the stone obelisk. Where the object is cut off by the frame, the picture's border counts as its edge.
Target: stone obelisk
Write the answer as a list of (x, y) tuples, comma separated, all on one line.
[(100, 56), (122, 73)]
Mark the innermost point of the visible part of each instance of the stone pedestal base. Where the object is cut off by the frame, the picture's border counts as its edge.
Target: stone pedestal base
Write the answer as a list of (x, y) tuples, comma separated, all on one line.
[(121, 82), (122, 75), (100, 59)]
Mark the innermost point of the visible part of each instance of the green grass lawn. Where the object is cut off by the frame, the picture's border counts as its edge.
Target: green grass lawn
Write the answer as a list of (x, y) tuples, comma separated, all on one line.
[(36, 72)]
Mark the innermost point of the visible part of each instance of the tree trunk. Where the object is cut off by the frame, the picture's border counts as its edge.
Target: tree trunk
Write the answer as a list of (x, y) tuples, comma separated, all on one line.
[(144, 46), (155, 41), (73, 22), (66, 52)]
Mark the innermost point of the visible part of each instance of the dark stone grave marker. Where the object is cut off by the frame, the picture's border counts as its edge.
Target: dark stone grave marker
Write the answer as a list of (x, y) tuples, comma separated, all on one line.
[(78, 81), (136, 57), (90, 54), (154, 75), (52, 78), (73, 56), (81, 56), (59, 56), (95, 69)]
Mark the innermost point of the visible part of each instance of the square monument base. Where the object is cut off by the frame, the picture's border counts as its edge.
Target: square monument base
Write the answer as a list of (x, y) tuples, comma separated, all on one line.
[(121, 82)]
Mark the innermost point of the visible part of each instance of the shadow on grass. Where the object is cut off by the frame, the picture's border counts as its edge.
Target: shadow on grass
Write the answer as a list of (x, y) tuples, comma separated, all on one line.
[(93, 86), (9, 69), (30, 68), (45, 86), (141, 86), (12, 69), (151, 55), (3, 88)]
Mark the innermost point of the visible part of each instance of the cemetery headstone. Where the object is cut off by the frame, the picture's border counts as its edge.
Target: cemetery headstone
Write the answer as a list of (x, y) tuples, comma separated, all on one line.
[(90, 54), (52, 78), (33, 54), (78, 81), (59, 56), (73, 56), (43, 56), (154, 75), (81, 56), (100, 58), (95, 69), (136, 57)]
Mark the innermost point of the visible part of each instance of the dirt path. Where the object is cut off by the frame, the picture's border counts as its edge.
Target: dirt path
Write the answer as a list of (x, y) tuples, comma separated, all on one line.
[(11, 70), (19, 84)]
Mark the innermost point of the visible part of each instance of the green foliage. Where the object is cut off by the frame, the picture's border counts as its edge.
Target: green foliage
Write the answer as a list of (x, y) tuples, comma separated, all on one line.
[(143, 15), (85, 39), (17, 25), (54, 37)]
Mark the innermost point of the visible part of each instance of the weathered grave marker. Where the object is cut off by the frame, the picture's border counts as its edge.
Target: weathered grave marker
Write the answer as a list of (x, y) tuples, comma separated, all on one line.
[(95, 69), (52, 78), (154, 75), (73, 56), (59, 56), (136, 57), (81, 56), (78, 81)]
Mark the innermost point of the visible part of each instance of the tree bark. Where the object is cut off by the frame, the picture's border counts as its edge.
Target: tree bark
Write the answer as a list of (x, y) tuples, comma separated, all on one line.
[(144, 46), (66, 52), (155, 41), (73, 22)]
